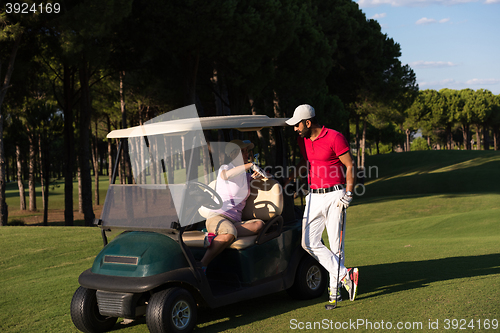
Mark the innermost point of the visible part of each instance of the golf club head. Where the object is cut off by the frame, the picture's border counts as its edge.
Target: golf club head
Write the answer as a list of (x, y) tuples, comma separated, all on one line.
[(330, 306)]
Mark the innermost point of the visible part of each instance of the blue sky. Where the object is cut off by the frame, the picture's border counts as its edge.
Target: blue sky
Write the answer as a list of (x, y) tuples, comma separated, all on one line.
[(448, 43)]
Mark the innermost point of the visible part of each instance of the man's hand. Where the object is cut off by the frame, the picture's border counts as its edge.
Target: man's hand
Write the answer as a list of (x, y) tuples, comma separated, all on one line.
[(345, 201)]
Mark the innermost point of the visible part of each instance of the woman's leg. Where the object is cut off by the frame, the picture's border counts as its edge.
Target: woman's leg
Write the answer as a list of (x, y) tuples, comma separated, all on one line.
[(249, 228), (225, 232)]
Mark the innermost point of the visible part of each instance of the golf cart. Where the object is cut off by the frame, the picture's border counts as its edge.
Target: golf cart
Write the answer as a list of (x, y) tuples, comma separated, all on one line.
[(151, 266)]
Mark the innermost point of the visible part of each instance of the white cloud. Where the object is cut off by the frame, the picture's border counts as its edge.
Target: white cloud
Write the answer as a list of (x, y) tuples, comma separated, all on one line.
[(491, 1), (431, 64), (440, 83), (483, 81), (425, 20), (378, 16), (416, 3)]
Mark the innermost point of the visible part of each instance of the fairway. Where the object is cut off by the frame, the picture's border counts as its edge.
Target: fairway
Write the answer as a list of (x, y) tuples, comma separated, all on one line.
[(425, 235)]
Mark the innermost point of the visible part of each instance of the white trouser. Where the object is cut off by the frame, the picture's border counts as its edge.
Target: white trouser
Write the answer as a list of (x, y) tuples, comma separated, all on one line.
[(321, 211)]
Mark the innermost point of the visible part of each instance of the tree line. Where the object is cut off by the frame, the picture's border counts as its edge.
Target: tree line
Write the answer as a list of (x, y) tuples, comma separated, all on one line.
[(451, 119), (68, 78)]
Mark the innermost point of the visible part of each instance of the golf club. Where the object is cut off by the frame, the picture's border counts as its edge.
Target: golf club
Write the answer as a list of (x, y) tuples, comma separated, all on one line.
[(342, 219)]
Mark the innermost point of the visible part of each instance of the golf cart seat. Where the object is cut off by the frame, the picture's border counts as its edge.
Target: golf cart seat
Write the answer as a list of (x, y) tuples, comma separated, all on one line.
[(265, 202)]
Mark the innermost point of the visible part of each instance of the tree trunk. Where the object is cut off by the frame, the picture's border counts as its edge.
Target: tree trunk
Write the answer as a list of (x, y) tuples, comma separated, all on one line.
[(486, 137), (358, 155), (276, 105), (84, 149), (120, 164), (7, 169), (69, 146), (142, 150), (363, 147), (222, 107), (183, 152), (125, 154), (170, 159), (95, 159), (271, 158), (262, 140), (44, 178), (20, 183), (496, 137), (80, 196), (206, 164), (407, 143), (478, 137), (155, 172), (31, 171), (449, 137), (190, 63), (465, 128), (4, 213), (110, 153)]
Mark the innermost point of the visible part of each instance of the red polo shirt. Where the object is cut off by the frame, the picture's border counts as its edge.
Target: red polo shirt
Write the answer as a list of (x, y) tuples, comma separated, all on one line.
[(325, 167)]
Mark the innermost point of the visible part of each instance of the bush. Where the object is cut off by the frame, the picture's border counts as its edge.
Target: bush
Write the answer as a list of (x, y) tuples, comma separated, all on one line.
[(15, 222), (419, 144)]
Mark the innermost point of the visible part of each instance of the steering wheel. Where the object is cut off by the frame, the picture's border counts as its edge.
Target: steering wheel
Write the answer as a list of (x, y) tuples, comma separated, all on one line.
[(202, 190)]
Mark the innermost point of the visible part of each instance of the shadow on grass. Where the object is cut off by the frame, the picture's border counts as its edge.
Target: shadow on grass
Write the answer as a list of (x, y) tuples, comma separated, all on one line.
[(394, 277), (76, 223), (239, 314), (247, 312)]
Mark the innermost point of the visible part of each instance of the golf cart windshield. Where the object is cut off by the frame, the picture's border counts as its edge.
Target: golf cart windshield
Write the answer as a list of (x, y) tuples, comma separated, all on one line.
[(171, 165)]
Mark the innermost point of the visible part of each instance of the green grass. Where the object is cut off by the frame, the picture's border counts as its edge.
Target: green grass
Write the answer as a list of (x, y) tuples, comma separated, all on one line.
[(39, 273), (425, 237)]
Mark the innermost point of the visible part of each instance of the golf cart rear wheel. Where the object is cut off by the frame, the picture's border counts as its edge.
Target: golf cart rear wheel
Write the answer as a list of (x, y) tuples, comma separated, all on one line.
[(310, 279), (171, 310), (85, 312)]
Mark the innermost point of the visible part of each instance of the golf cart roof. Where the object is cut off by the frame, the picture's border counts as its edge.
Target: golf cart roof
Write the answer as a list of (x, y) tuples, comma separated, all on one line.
[(180, 126)]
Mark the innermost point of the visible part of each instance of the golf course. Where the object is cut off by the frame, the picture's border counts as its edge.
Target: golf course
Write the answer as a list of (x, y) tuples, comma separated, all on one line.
[(424, 232)]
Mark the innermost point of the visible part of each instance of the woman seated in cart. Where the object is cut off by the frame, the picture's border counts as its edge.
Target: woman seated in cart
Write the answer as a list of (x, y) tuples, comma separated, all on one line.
[(233, 185)]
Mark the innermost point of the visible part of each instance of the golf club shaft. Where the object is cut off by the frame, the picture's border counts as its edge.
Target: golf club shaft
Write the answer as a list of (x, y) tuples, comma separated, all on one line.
[(342, 219)]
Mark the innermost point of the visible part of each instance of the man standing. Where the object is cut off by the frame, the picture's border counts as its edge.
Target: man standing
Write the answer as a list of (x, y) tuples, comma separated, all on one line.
[(325, 152)]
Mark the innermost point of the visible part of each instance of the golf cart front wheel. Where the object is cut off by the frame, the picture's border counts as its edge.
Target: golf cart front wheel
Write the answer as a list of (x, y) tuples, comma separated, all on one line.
[(85, 312), (171, 310), (310, 279)]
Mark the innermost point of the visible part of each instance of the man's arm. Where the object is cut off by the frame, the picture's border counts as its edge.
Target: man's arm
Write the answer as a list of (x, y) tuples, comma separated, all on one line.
[(346, 159)]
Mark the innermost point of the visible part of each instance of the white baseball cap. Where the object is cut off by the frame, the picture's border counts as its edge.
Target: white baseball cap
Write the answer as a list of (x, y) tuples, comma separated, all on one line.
[(302, 112)]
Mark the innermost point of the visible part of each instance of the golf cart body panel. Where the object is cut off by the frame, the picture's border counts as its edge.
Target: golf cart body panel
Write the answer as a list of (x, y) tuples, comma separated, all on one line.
[(157, 254), (126, 284), (139, 254)]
